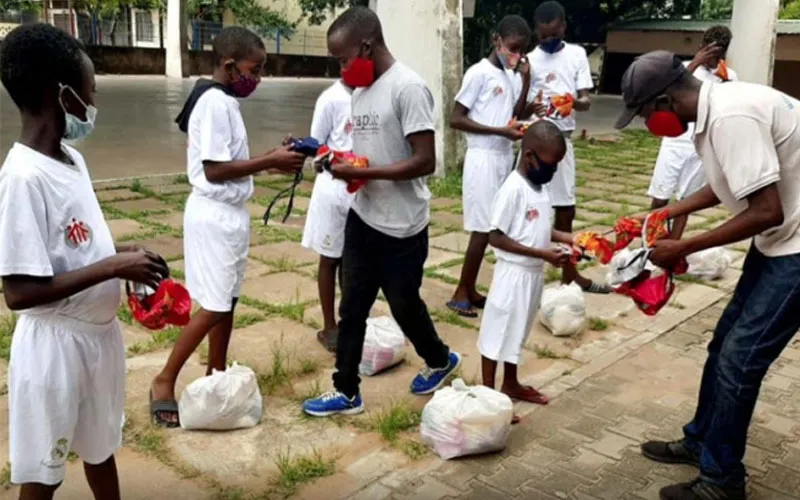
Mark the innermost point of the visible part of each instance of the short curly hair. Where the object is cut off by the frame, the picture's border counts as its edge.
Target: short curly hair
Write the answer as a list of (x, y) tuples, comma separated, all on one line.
[(36, 57), (721, 35), (235, 42)]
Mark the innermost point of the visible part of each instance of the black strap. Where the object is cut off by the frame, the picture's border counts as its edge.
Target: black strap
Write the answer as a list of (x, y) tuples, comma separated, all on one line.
[(298, 178)]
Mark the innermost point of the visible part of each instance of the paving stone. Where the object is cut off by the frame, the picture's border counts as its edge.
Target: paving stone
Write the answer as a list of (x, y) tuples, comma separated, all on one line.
[(123, 228), (119, 194), (612, 445), (454, 242), (612, 487), (510, 478), (586, 463), (480, 491), (782, 479), (285, 251), (558, 483), (282, 288), (141, 205), (589, 426)]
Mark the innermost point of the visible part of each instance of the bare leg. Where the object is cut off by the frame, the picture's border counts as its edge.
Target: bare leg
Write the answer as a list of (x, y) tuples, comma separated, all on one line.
[(467, 292), (103, 479), (37, 491), (218, 340), (489, 369), (513, 389), (326, 284), (163, 387)]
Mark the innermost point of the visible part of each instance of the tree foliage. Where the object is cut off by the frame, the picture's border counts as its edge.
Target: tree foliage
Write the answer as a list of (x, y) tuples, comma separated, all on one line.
[(317, 11)]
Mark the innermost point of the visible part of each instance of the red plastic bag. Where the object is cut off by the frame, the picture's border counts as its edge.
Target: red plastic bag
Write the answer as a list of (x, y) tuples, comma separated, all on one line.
[(171, 304), (651, 293), (325, 157)]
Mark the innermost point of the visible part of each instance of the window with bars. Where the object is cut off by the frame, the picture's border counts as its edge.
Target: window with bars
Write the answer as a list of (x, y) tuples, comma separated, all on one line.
[(144, 26)]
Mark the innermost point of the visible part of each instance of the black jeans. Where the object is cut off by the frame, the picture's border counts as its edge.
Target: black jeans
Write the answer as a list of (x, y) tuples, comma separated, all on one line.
[(373, 261)]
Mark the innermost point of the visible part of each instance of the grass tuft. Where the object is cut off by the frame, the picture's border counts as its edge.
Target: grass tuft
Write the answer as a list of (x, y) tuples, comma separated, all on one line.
[(294, 472)]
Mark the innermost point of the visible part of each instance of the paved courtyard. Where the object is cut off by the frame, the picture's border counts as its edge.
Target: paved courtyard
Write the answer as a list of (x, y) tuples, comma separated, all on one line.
[(626, 379)]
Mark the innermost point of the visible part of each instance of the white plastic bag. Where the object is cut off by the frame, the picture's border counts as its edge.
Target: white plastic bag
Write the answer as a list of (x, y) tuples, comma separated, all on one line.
[(563, 310), (466, 420), (627, 264), (709, 264), (222, 401), (384, 346)]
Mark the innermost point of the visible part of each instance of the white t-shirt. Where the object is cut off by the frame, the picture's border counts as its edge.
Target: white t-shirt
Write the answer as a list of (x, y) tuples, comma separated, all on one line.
[(748, 137), (397, 105), (217, 133), (51, 224), (565, 72), (522, 213), (332, 122), (490, 94), (686, 140)]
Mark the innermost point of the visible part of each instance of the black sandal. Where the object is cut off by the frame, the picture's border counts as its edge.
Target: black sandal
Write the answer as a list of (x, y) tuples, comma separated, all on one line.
[(158, 408)]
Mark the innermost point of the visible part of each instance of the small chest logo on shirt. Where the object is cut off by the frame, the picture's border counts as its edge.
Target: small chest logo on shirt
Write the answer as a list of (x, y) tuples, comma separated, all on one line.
[(77, 233), (348, 127), (498, 90), (550, 78), (532, 214)]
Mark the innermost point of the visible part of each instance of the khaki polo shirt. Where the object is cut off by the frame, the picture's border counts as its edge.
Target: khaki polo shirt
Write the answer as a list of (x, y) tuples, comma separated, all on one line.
[(748, 136)]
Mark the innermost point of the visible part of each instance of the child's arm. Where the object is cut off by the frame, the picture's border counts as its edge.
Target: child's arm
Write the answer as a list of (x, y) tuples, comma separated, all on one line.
[(459, 120), (524, 69), (502, 242), (562, 237), (282, 159), (24, 292), (584, 83)]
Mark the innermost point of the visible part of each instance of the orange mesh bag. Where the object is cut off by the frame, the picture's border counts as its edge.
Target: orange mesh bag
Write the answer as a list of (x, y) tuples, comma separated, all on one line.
[(171, 304), (626, 230), (595, 245), (655, 227), (563, 104), (722, 70)]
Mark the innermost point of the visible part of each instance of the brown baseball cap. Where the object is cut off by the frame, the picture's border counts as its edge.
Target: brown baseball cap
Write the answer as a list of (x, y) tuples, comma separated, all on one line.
[(645, 79)]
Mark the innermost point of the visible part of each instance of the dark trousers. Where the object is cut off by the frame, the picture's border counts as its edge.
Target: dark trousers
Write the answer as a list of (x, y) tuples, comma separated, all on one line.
[(758, 323), (373, 261)]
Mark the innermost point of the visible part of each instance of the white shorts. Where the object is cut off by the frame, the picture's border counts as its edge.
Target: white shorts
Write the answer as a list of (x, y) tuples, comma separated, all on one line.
[(510, 310), (327, 216), (216, 240), (484, 173), (562, 187), (678, 172), (66, 386)]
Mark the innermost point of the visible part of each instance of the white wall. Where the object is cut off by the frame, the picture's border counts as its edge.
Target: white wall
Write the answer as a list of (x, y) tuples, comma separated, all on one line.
[(427, 35), (752, 50)]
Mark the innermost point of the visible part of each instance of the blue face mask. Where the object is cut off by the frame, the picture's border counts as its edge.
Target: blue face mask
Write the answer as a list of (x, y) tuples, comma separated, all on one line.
[(543, 174), (75, 127), (552, 45)]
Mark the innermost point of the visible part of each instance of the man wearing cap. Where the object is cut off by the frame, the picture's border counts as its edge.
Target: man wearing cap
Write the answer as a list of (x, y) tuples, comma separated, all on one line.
[(748, 138)]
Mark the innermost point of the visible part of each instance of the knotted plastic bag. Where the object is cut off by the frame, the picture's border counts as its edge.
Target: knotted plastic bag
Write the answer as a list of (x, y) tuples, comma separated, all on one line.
[(384, 346), (465, 420), (563, 310), (222, 401)]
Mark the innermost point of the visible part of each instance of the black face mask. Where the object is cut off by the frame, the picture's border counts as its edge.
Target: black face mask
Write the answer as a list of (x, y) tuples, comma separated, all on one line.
[(543, 174)]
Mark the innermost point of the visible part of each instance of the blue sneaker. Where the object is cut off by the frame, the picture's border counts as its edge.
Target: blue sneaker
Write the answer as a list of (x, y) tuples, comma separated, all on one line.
[(431, 379), (332, 403)]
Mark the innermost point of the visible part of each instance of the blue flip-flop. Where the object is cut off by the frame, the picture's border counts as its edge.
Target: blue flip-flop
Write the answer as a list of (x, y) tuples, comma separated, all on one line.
[(463, 308)]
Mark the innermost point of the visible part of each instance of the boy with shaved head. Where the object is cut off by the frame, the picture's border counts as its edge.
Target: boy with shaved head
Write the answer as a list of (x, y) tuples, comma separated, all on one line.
[(386, 234), (522, 235)]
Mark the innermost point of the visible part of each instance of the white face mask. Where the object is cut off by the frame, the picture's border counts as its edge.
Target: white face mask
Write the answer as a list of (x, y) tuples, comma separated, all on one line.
[(75, 127)]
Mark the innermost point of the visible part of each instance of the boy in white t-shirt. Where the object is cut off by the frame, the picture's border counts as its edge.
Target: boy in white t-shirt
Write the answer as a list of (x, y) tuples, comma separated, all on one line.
[(522, 235), (216, 223), (679, 170), (61, 272), (330, 202), (560, 86), (491, 94)]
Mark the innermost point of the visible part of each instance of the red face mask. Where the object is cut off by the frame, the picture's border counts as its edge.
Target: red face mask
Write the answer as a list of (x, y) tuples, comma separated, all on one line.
[(665, 124), (359, 73)]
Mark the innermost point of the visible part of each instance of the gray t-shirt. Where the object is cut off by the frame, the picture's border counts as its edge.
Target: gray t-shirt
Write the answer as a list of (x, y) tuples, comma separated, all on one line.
[(397, 105)]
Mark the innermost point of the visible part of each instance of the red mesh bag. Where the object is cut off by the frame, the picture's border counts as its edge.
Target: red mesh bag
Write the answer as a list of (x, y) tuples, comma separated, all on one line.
[(654, 228), (171, 304)]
